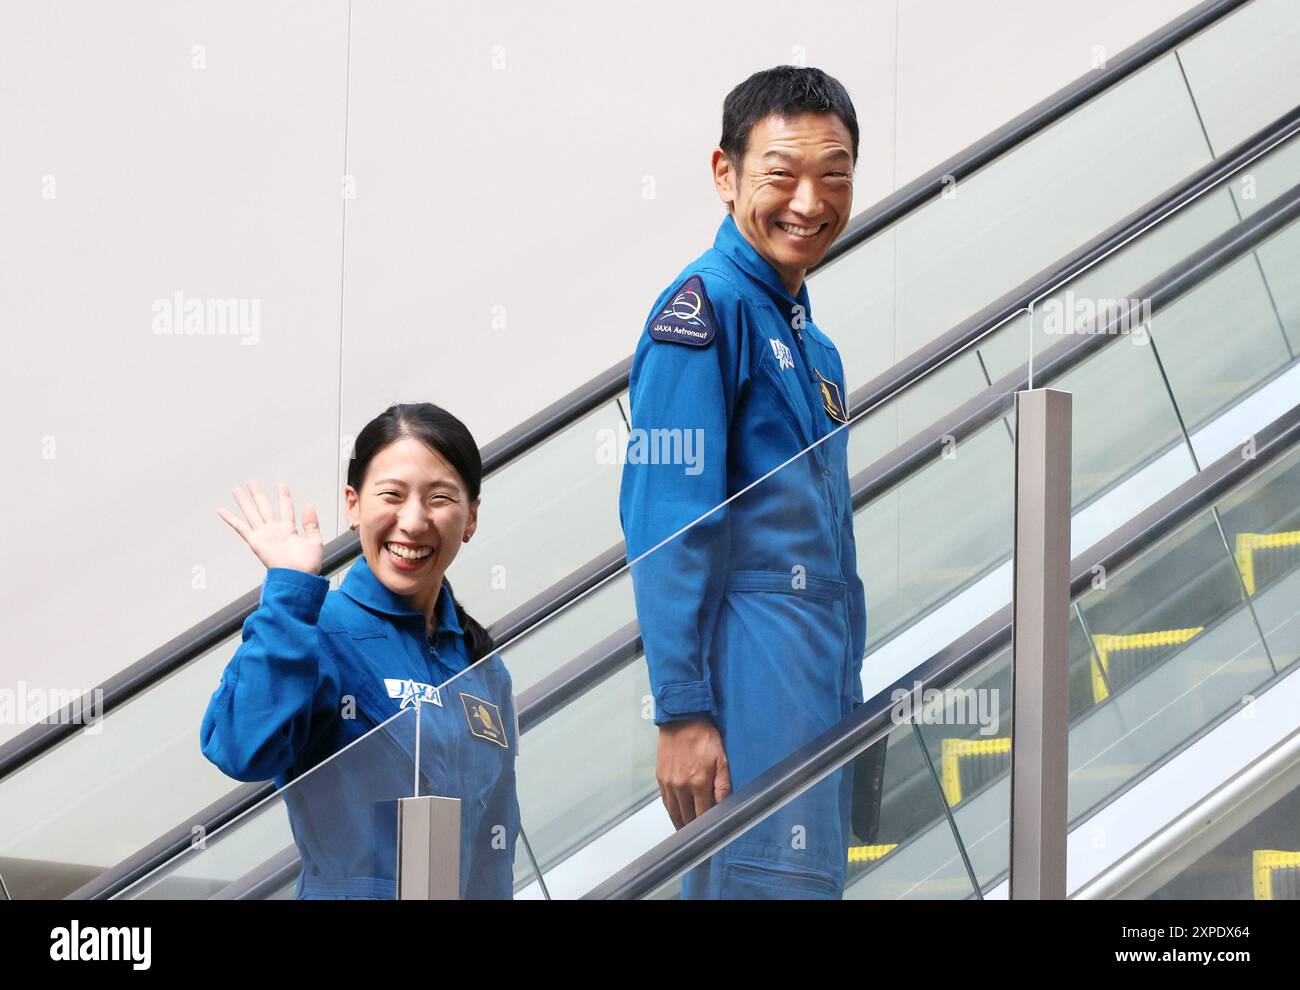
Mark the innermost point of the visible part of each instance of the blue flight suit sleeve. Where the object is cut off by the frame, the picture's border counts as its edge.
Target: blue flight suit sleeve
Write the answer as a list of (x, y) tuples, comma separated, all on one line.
[(278, 688), (678, 587)]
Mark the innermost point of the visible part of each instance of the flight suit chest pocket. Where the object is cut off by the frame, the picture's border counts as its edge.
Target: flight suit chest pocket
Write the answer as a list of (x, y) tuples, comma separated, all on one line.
[(357, 653), (784, 397), (831, 410)]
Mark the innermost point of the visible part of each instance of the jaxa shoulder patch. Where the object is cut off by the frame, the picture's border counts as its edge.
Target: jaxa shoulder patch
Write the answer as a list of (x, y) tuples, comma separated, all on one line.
[(688, 317), (484, 720)]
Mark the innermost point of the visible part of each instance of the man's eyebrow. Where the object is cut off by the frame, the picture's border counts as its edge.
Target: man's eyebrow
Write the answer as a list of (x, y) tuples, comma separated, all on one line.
[(836, 155)]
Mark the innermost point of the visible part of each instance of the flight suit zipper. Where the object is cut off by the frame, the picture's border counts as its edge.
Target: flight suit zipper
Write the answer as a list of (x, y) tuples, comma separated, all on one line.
[(819, 450), (808, 370), (829, 482)]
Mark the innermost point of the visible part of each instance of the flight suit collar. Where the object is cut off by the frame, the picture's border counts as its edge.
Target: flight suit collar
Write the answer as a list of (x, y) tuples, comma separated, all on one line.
[(365, 589), (731, 242)]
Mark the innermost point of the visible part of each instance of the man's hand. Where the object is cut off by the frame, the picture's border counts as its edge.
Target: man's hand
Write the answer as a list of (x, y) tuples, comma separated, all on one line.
[(692, 769)]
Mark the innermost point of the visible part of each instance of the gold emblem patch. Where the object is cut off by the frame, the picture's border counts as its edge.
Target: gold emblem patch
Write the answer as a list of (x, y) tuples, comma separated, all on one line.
[(484, 720), (831, 400)]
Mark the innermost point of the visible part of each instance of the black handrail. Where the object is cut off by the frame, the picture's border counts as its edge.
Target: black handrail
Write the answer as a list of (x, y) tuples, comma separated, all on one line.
[(569, 588), (203, 636), (188, 834), (961, 337), (272, 876), (870, 722), (1033, 121)]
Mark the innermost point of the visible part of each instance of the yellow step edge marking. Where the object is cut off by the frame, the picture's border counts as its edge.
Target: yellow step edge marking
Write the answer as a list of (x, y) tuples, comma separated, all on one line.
[(1248, 543), (953, 751), (1107, 643), (869, 854), (1262, 864)]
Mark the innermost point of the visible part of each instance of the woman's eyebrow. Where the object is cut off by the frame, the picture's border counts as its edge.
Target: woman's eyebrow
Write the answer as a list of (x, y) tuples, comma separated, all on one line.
[(436, 483)]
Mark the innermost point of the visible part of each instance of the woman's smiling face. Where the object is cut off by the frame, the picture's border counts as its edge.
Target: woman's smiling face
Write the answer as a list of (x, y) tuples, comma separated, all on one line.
[(413, 513)]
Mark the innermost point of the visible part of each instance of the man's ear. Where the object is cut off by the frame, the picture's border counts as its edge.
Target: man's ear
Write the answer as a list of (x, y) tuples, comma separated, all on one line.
[(473, 521), (352, 505), (724, 179)]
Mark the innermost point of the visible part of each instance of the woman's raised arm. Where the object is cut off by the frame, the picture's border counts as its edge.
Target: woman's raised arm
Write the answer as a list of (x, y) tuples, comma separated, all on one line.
[(280, 685)]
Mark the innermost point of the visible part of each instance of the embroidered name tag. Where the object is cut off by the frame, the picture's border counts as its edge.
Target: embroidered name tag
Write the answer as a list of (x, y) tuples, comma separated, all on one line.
[(411, 691), (688, 317), (484, 720)]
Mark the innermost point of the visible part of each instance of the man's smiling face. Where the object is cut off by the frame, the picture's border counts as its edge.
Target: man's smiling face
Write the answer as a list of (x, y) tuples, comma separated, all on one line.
[(794, 192)]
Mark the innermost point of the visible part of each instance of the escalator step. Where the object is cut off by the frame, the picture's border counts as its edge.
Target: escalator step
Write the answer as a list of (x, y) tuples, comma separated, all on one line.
[(869, 854)]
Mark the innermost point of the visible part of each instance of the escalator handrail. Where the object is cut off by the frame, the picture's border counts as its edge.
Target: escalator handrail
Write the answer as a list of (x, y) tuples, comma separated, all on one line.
[(932, 355), (189, 834), (871, 721), (1027, 125), (193, 642)]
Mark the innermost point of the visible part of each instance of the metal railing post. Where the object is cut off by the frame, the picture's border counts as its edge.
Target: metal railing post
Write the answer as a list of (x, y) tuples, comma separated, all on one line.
[(1040, 646), (428, 849)]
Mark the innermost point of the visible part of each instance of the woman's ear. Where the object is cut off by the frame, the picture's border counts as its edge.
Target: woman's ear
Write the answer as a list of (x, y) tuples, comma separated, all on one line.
[(473, 521), (352, 501)]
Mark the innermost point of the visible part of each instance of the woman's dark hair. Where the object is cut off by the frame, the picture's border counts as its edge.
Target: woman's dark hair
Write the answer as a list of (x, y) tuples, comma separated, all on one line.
[(786, 91), (442, 432)]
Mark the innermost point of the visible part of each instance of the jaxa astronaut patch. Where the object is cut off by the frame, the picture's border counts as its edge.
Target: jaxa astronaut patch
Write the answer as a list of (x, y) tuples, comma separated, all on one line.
[(484, 720), (831, 399), (688, 317), (412, 691)]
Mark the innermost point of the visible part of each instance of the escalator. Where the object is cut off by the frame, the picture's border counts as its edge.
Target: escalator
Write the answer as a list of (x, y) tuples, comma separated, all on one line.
[(1169, 604), (565, 619)]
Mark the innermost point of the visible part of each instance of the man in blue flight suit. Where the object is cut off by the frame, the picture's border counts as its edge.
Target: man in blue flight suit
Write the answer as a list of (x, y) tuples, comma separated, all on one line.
[(753, 619)]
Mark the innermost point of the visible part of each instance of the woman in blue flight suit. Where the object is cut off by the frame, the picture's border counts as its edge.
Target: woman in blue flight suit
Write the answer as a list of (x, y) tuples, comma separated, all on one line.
[(319, 669)]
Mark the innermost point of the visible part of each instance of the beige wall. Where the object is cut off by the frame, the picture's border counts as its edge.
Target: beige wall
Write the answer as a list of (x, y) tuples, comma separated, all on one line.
[(544, 165)]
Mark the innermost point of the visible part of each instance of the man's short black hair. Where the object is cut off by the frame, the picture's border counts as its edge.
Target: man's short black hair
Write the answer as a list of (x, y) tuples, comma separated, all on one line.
[(787, 91)]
